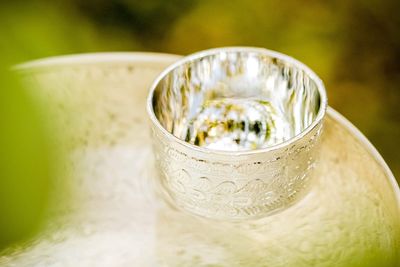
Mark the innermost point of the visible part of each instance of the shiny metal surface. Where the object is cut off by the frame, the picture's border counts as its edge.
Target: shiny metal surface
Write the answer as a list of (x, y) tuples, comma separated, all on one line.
[(109, 216), (237, 99), (236, 131)]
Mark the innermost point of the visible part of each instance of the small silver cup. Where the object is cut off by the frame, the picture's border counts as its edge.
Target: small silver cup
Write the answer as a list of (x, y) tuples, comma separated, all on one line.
[(236, 131)]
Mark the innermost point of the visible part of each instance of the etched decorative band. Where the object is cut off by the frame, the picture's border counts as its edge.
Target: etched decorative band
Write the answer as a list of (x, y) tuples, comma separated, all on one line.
[(236, 131)]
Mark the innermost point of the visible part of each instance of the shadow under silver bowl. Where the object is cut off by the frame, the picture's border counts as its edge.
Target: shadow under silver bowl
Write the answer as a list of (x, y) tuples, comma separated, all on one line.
[(235, 131)]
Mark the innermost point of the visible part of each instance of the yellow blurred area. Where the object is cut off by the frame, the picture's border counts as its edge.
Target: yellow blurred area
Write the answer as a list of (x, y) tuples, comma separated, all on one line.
[(26, 162), (354, 46)]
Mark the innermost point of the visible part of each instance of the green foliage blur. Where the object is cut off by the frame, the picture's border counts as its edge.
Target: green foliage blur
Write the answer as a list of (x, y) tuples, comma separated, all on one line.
[(354, 46), (25, 166)]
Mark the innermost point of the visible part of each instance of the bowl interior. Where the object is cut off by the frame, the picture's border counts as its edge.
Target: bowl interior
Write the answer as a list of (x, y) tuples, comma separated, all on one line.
[(236, 100)]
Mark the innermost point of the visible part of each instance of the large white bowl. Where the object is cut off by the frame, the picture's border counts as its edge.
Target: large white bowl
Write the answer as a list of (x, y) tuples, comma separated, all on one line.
[(109, 215)]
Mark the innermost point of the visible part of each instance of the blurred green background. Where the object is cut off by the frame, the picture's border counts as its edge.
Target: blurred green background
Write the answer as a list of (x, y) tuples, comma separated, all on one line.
[(354, 46)]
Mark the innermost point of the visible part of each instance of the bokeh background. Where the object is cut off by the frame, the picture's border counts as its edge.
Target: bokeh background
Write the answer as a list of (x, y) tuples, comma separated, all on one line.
[(354, 46)]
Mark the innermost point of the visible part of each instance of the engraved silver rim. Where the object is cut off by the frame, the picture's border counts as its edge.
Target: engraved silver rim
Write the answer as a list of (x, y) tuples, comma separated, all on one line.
[(320, 86)]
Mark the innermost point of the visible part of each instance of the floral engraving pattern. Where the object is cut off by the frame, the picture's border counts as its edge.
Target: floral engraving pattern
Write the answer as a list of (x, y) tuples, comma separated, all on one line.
[(232, 189)]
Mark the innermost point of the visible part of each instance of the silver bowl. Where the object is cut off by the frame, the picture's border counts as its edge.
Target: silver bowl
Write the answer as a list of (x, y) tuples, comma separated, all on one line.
[(236, 131)]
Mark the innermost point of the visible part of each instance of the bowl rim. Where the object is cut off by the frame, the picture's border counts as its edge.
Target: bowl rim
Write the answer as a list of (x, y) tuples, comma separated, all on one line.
[(146, 57), (209, 52)]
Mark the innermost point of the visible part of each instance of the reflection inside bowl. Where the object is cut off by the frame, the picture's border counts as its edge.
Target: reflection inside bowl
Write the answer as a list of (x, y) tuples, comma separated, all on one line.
[(236, 100)]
